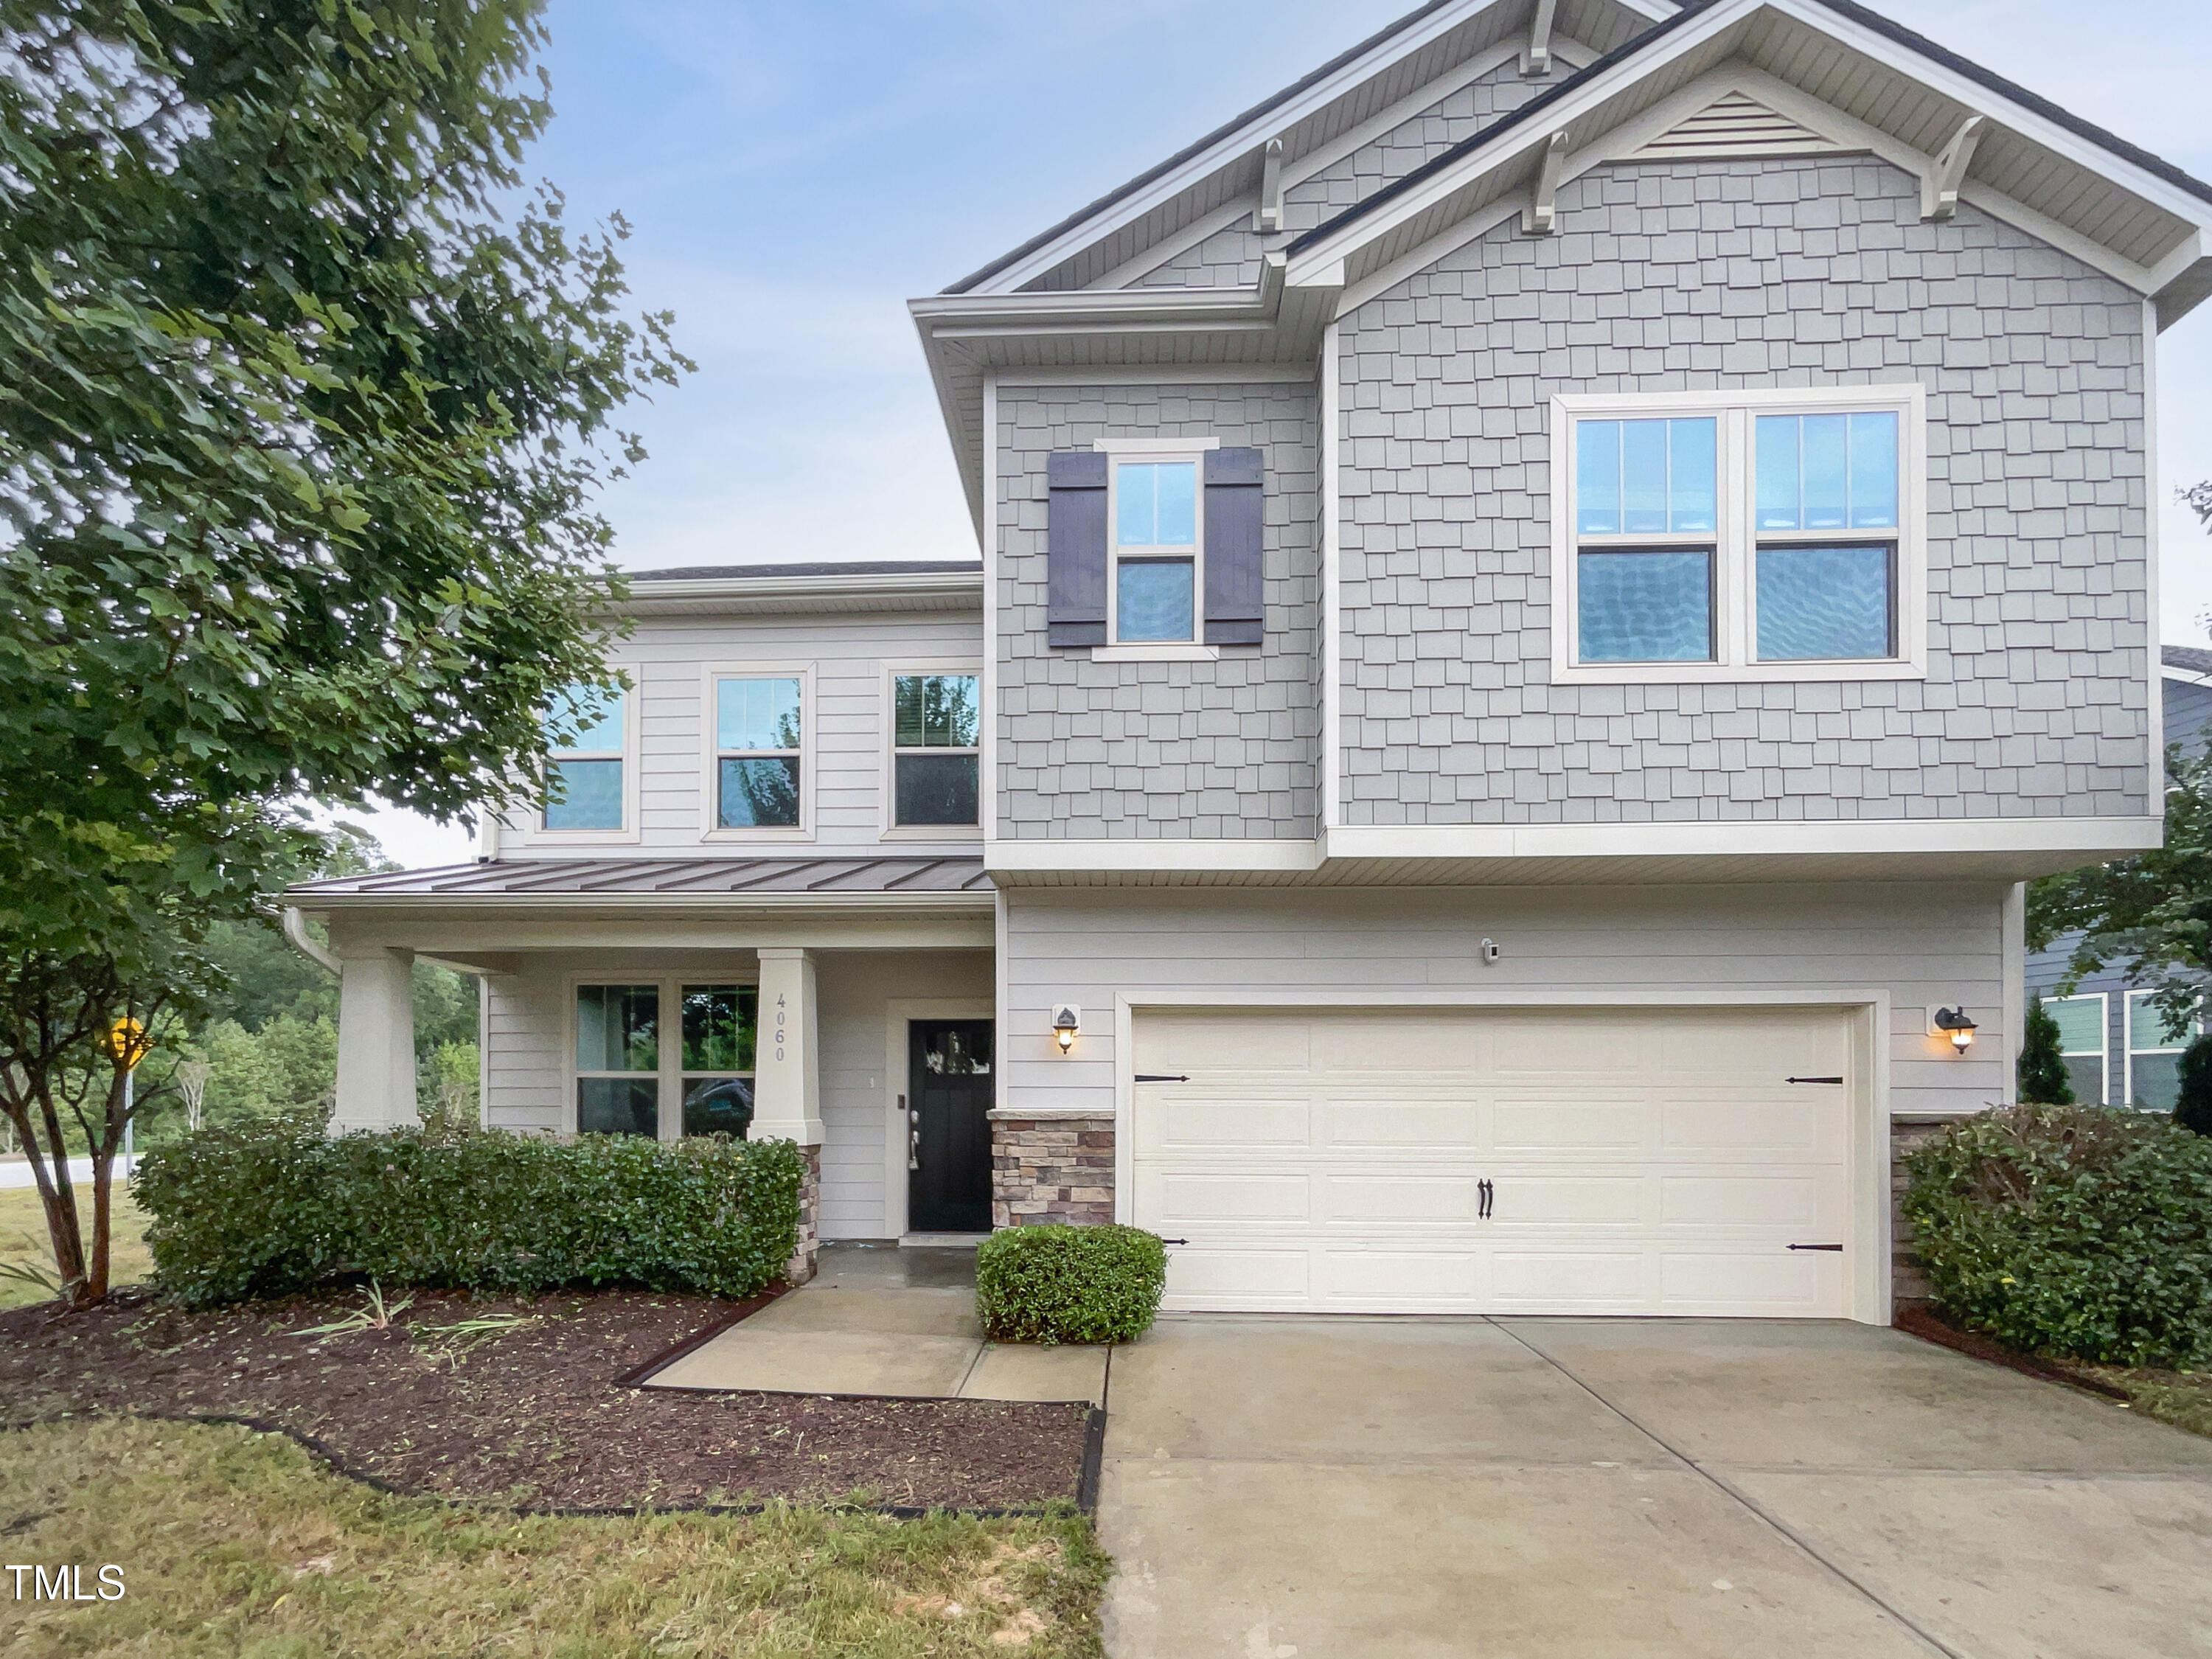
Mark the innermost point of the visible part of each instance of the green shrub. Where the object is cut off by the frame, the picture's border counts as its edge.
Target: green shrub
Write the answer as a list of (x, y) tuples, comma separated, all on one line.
[(2192, 1105), (259, 1209), (2042, 1076), (2070, 1230), (1061, 1284)]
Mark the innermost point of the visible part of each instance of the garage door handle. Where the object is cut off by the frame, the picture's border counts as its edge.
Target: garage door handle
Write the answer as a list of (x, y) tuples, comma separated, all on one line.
[(1838, 1248), (1811, 1080), (1484, 1193), (1159, 1077)]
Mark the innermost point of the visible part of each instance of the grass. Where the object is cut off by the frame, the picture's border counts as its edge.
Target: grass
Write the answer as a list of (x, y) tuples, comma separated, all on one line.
[(23, 1240), (2181, 1398), (233, 1543)]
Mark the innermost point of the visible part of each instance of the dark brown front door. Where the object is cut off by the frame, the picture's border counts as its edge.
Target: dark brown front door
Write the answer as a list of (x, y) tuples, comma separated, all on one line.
[(948, 1097)]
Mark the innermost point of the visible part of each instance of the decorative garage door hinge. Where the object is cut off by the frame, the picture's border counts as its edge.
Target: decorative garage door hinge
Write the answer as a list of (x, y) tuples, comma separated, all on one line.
[(1838, 1248), (1811, 1080), (1159, 1077)]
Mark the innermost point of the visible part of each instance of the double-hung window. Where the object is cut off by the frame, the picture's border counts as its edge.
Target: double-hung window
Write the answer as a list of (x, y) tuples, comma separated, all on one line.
[(585, 787), (2154, 1046), (760, 777), (2081, 1042), (1154, 579), (1740, 535), (631, 1063), (935, 722)]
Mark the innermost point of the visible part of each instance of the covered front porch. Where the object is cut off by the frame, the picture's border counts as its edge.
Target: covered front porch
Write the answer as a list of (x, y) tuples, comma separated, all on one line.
[(845, 1004)]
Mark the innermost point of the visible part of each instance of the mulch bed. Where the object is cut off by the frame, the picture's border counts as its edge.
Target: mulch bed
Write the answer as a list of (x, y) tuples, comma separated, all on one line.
[(1921, 1320), (531, 1415)]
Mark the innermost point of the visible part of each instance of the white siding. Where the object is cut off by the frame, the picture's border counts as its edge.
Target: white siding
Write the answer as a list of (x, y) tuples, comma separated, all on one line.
[(1921, 943), (668, 662), (526, 1026)]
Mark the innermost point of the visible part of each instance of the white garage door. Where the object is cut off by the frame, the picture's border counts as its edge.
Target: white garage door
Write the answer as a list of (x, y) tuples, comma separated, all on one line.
[(1639, 1161)]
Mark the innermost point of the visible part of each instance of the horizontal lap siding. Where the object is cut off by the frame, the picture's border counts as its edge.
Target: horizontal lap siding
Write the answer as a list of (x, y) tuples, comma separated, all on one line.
[(668, 661), (1749, 274), (1208, 749), (1922, 944)]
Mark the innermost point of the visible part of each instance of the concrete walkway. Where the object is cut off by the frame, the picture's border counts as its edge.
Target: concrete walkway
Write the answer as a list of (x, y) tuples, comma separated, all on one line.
[(881, 1320), (1280, 1488), (17, 1172)]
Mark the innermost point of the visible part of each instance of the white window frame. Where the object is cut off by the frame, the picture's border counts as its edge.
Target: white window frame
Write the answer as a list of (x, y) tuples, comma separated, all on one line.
[(1735, 540), (710, 770), (631, 793), (2128, 1048), (891, 829), (1195, 650), (2103, 1000), (670, 1074)]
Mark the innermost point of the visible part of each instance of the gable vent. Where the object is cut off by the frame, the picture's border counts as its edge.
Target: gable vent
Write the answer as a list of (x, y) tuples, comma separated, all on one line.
[(1736, 124)]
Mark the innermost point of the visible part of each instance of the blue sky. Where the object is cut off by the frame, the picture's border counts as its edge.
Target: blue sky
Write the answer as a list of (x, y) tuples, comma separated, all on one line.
[(793, 172)]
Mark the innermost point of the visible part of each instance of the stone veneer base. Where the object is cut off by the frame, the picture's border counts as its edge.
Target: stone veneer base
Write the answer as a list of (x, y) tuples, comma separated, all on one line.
[(1051, 1166)]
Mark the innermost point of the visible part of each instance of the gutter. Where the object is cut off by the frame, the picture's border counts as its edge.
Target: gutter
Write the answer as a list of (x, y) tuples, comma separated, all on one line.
[(295, 930), (820, 586), (961, 903)]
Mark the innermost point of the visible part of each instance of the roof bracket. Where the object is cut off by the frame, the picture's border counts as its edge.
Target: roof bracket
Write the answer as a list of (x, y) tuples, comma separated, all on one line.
[(1540, 217), (1938, 184), (1536, 56), (1269, 215)]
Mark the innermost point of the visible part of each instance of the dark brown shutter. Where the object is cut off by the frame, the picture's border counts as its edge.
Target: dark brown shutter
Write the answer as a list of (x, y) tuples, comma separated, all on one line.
[(1075, 547), (1236, 507)]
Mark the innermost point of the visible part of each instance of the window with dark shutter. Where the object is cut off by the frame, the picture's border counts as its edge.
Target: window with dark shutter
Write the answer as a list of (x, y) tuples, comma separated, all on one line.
[(1236, 503), (1075, 547)]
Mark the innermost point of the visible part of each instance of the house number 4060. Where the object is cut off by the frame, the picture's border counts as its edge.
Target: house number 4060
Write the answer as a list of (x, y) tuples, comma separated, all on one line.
[(779, 1028)]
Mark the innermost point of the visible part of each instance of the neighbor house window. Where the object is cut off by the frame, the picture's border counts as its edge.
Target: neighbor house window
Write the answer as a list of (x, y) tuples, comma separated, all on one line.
[(584, 770), (618, 1060), (933, 748), (716, 1058), (2154, 1046), (1743, 535), (2082, 1041), (759, 766), (1155, 575)]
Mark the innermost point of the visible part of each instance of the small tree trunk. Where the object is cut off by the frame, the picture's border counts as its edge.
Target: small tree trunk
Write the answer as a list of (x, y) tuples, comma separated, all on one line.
[(56, 1195)]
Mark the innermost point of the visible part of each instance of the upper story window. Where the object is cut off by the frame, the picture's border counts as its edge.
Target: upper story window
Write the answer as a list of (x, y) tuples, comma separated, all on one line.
[(1749, 535), (1155, 575), (583, 775), (760, 728), (934, 721)]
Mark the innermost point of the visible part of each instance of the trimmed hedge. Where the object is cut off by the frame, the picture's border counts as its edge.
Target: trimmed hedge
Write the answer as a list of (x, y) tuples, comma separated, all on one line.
[(264, 1208), (2070, 1230), (1054, 1283)]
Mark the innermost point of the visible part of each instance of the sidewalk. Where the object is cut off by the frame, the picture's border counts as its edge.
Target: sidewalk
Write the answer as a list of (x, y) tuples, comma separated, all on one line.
[(16, 1171)]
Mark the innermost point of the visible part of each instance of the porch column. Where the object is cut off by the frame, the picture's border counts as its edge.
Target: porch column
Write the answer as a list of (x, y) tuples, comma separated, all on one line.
[(788, 1083), (376, 1041)]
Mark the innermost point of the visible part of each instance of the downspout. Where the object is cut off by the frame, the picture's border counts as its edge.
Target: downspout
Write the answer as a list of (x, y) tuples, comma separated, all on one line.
[(295, 930)]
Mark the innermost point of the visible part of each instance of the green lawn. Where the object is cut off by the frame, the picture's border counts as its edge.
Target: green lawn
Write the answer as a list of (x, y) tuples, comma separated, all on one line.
[(23, 1240), (233, 1543)]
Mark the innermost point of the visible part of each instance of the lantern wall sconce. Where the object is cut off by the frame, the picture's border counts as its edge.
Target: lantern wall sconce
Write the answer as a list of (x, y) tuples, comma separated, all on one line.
[(1066, 1021), (1952, 1023)]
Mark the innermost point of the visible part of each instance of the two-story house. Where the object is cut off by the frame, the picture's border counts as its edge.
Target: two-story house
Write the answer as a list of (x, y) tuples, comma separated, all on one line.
[(1541, 593)]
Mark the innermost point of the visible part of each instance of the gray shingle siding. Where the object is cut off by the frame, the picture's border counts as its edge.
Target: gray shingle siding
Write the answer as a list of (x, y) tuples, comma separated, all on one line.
[(1230, 258), (1746, 274), (1207, 750)]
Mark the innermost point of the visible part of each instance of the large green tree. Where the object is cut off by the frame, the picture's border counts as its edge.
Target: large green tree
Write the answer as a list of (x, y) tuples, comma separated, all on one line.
[(304, 399)]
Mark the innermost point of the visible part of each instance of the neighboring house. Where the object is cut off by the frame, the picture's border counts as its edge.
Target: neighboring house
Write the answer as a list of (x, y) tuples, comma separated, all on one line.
[(1542, 591), (2118, 1048)]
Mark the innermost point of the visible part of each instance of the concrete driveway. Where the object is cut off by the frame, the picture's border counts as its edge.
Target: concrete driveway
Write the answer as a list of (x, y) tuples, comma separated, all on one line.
[(1280, 1488)]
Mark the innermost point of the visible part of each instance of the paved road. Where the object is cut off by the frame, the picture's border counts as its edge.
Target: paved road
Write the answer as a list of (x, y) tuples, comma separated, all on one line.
[(16, 1171), (1281, 1488)]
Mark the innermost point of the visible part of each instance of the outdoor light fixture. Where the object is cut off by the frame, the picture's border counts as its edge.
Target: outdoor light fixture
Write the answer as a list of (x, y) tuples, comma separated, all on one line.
[(1953, 1023), (1066, 1021)]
